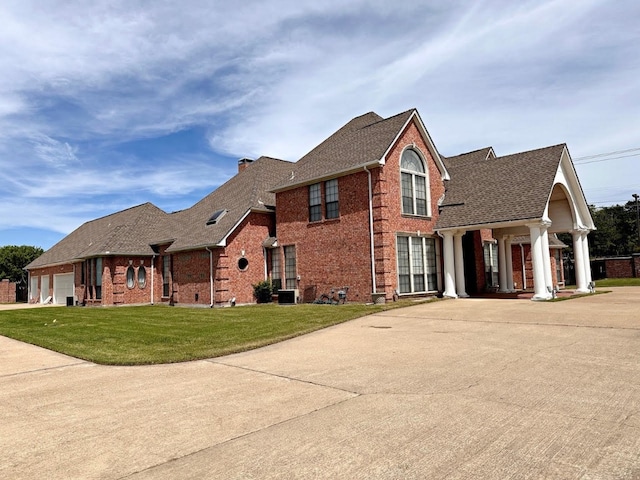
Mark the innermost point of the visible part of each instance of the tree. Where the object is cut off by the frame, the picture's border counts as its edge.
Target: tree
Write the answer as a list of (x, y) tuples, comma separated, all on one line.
[(616, 230), (14, 258)]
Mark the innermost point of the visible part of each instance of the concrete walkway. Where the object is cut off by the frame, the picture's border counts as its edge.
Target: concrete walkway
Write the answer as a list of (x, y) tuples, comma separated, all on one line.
[(457, 389)]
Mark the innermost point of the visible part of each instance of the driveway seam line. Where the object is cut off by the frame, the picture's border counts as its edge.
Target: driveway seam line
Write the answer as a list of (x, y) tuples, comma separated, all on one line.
[(493, 322), (45, 369), (238, 437), (315, 384)]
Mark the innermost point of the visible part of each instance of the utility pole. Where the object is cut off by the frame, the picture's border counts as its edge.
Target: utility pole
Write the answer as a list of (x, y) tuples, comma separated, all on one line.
[(636, 196)]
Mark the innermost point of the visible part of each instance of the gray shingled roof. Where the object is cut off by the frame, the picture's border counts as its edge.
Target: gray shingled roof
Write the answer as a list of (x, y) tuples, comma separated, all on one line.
[(133, 231), (126, 232), (363, 140), (249, 190), (470, 157), (509, 188)]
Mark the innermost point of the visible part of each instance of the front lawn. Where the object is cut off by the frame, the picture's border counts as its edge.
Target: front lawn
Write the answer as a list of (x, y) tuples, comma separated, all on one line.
[(618, 282), (161, 334)]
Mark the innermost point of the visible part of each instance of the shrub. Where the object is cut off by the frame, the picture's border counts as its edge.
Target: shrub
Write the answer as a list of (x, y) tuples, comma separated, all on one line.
[(263, 291)]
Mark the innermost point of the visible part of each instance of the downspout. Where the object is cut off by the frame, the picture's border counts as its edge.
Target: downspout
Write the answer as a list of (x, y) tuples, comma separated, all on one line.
[(524, 273), (211, 292), (74, 283), (266, 272), (153, 262), (373, 259)]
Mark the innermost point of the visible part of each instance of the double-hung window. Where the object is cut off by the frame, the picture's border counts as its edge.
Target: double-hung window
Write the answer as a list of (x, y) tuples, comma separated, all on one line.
[(417, 264), (315, 203), (276, 280), (331, 202), (290, 271), (166, 274), (331, 199), (415, 185)]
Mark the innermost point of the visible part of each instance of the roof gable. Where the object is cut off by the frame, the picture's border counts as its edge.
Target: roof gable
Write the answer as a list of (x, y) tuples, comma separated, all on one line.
[(503, 189), (363, 141)]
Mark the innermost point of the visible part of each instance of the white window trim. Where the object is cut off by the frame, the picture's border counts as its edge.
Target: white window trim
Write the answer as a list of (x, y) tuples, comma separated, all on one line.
[(413, 182)]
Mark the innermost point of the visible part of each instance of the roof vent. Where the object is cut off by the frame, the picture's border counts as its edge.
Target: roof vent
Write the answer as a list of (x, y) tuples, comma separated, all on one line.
[(216, 216)]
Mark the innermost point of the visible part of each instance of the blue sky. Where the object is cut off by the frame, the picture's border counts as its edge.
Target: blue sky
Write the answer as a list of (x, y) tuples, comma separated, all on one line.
[(106, 105)]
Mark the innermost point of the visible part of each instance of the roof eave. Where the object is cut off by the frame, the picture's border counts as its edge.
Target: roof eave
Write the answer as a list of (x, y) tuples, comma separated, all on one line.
[(498, 224)]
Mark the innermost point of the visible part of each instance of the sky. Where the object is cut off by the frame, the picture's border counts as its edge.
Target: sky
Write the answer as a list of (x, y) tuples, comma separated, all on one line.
[(107, 105)]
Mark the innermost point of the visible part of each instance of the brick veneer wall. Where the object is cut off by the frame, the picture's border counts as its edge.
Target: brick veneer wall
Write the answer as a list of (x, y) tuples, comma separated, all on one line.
[(191, 268), (516, 255), (336, 252), (619, 267), (7, 291)]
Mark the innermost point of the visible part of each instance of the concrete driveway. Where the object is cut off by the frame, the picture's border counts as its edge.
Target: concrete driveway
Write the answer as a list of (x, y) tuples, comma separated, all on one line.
[(456, 389)]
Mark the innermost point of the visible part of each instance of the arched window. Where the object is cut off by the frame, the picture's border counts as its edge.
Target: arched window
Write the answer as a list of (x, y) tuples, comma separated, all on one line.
[(415, 185), (142, 276), (131, 276)]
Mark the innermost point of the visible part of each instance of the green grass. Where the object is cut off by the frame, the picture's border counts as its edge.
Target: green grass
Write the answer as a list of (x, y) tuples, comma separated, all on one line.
[(160, 334), (577, 295), (618, 282)]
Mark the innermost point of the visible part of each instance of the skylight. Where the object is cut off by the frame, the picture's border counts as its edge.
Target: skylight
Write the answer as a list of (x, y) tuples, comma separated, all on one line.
[(216, 216)]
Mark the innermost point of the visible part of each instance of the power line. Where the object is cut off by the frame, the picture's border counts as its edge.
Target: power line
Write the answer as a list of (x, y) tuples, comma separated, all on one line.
[(605, 159), (587, 157)]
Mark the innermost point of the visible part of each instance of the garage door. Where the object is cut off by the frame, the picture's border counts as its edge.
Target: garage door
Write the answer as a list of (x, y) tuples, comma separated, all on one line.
[(62, 288)]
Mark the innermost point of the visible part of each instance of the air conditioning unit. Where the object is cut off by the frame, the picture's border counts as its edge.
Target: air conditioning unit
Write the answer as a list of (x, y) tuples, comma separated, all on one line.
[(288, 297)]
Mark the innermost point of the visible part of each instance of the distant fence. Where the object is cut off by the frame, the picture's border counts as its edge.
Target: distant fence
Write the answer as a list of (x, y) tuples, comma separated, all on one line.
[(616, 267), (7, 291)]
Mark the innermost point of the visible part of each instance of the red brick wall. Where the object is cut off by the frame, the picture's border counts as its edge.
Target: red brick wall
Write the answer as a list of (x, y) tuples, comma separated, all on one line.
[(619, 267), (191, 269), (334, 253), (516, 255), (7, 291), (388, 217), (330, 253)]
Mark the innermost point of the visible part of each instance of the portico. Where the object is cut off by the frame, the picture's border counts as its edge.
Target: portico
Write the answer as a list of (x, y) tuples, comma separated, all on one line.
[(547, 201)]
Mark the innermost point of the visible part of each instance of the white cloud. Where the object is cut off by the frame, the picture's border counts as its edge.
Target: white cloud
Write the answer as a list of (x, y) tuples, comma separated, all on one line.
[(78, 79)]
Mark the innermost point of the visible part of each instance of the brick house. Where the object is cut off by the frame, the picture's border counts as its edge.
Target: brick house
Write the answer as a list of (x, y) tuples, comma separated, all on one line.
[(374, 207)]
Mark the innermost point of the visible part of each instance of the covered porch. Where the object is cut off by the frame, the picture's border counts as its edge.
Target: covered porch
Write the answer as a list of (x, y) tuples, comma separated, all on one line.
[(535, 207)]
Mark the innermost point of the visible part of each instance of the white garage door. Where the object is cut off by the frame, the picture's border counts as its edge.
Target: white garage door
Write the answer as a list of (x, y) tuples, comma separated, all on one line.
[(62, 288), (44, 288)]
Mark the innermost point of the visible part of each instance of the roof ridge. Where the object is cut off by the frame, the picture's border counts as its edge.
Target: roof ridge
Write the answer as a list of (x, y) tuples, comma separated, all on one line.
[(563, 145), (389, 118), (145, 204)]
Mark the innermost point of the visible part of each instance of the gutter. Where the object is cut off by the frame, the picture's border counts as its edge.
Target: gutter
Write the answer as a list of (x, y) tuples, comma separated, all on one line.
[(373, 259)]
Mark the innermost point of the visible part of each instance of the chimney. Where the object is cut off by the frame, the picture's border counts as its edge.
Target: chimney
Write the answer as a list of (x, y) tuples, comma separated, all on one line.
[(244, 163)]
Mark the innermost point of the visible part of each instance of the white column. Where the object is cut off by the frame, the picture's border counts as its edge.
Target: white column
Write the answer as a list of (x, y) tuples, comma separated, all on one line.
[(509, 258), (587, 261), (578, 257), (449, 265), (502, 265), (459, 261), (546, 256), (539, 287)]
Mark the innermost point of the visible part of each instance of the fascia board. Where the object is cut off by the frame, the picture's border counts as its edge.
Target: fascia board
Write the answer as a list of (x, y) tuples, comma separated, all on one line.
[(426, 137), (223, 242)]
